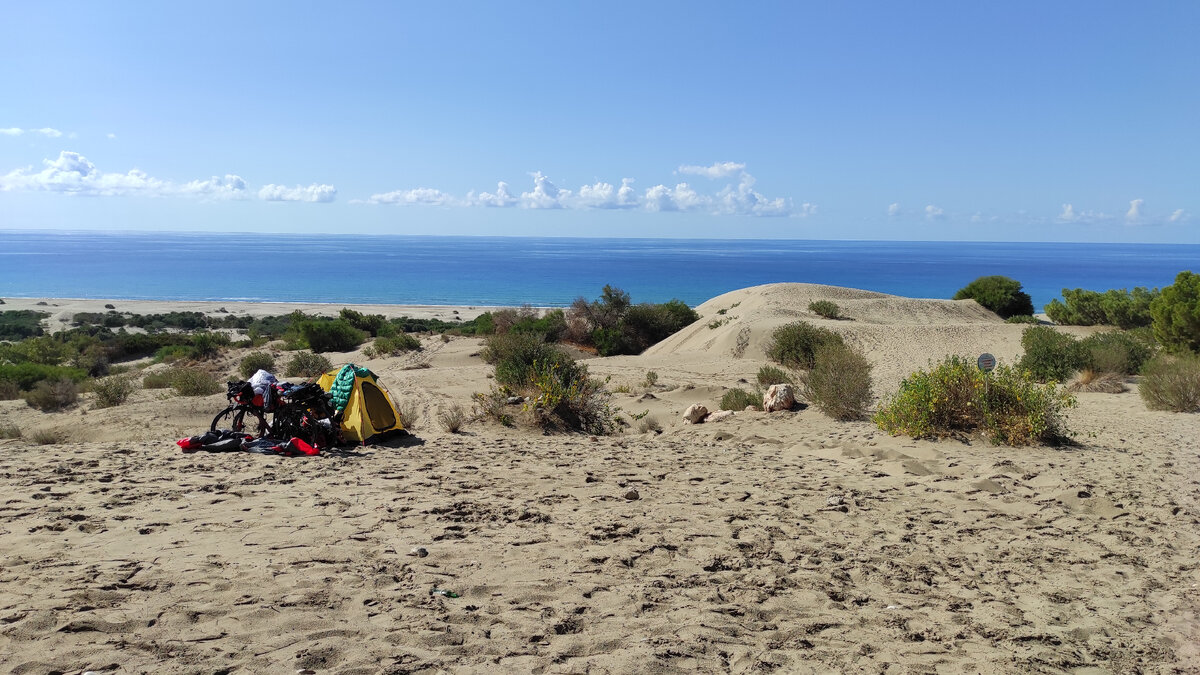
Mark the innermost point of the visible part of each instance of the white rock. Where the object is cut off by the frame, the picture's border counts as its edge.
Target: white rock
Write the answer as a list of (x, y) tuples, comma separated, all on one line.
[(719, 415), (695, 414), (779, 397)]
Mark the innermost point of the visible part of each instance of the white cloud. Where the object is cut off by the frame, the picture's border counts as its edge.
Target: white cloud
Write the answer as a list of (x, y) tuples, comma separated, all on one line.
[(229, 187), (1068, 214), (111, 136), (603, 195), (734, 199), (1134, 213), (934, 212), (1176, 216), (894, 209), (45, 131), (312, 193), (545, 195), (502, 198), (421, 196), (717, 170)]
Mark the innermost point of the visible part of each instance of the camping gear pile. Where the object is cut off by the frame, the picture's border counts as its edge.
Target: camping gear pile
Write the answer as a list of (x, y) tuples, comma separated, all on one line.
[(346, 404)]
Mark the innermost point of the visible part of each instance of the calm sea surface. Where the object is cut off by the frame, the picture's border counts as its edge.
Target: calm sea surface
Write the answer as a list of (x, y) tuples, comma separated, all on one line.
[(541, 271)]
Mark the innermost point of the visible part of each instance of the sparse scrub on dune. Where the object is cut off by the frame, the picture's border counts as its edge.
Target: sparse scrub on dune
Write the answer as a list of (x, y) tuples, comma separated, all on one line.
[(769, 375), (9, 391), (307, 364), (1023, 318), (159, 380), (410, 413), (397, 344), (254, 362), (649, 425), (53, 396), (794, 345), (839, 383), (1172, 383), (113, 390), (954, 398), (453, 418), (739, 399), (8, 431), (192, 381), (47, 437), (825, 308), (1097, 382), (1051, 356), (1122, 352)]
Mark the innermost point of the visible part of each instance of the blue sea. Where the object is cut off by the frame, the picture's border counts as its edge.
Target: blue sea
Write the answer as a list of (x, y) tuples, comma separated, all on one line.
[(507, 271)]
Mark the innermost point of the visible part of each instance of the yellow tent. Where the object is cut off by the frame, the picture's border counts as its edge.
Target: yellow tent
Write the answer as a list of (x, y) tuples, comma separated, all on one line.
[(366, 406)]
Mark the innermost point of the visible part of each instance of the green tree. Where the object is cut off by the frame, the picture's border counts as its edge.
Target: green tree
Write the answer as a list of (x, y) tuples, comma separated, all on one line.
[(999, 294), (1176, 314)]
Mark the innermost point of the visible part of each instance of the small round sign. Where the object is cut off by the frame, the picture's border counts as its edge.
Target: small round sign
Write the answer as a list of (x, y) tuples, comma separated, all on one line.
[(986, 362)]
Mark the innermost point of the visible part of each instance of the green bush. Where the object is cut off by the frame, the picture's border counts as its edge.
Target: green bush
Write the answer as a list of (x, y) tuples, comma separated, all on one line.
[(173, 353), (514, 356), (51, 396), (614, 325), (769, 375), (1118, 352), (369, 323), (1121, 308), (795, 344), (1172, 383), (307, 364), (206, 345), (839, 383), (20, 324), (254, 362), (955, 397), (159, 380), (194, 382), (402, 342), (27, 375), (331, 336), (825, 308), (999, 294), (113, 391), (1176, 315), (1021, 318), (1051, 355), (740, 399)]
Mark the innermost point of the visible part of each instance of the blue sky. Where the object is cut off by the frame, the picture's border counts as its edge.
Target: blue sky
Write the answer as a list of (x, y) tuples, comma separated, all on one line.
[(1016, 121)]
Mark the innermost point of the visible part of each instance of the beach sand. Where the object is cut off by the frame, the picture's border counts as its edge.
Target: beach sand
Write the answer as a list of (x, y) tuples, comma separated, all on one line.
[(779, 542)]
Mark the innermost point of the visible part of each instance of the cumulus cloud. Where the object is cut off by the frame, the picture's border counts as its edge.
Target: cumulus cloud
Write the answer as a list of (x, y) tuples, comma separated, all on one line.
[(1134, 214), (894, 209), (501, 198), (740, 198), (313, 193), (229, 187), (934, 212), (1068, 214), (1176, 216), (45, 131), (717, 170), (417, 196), (111, 136)]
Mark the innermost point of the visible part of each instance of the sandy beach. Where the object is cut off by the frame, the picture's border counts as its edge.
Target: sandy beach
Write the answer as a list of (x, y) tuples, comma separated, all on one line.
[(782, 542)]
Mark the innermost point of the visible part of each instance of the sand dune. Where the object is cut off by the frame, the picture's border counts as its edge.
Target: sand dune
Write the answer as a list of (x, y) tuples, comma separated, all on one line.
[(783, 542)]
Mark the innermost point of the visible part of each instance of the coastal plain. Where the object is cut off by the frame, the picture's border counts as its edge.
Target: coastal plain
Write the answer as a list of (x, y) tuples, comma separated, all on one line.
[(784, 542)]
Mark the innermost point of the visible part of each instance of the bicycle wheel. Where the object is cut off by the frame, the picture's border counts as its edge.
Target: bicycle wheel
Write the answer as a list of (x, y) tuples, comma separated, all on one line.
[(229, 418)]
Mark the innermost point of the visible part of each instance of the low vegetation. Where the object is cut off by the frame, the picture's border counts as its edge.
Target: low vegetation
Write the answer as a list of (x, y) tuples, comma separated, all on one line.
[(740, 399), (307, 364), (795, 344), (47, 437), (1121, 308), (331, 336), (999, 294), (769, 375), (1171, 382), (452, 418), (113, 390), (1051, 356), (9, 431), (839, 383), (1097, 382), (254, 362), (825, 308), (955, 398), (50, 396), (613, 325), (19, 324), (193, 381)]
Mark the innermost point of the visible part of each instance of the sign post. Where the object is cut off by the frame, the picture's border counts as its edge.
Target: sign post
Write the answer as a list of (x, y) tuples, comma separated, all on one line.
[(986, 362)]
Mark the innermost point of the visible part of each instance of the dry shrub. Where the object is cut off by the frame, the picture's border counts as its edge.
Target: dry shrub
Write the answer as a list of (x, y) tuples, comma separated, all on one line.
[(409, 414), (10, 431), (9, 391), (52, 396), (1096, 382), (192, 381), (1172, 383), (113, 391), (47, 437), (649, 425), (453, 418), (839, 383), (159, 380)]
